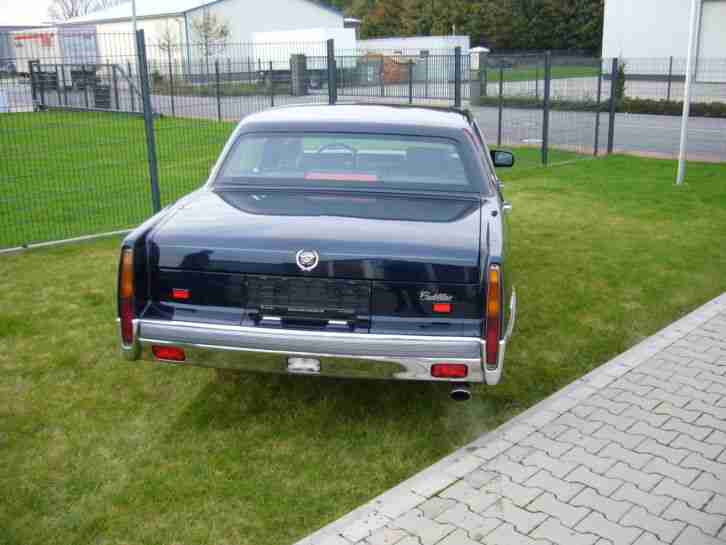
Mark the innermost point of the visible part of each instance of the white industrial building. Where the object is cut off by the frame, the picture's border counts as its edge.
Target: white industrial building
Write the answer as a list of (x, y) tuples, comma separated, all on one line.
[(659, 29), (170, 22), (242, 17), (416, 45)]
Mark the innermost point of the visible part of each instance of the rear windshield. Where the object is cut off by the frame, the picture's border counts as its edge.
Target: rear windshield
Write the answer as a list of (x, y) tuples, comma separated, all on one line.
[(356, 160)]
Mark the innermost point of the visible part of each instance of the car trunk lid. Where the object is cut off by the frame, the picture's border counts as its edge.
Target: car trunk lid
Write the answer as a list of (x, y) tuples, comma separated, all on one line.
[(356, 236)]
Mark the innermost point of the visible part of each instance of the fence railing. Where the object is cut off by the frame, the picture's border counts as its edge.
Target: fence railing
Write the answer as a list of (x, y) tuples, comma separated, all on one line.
[(97, 139)]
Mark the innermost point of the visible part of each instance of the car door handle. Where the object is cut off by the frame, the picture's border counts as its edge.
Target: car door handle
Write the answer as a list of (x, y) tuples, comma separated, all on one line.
[(507, 207)]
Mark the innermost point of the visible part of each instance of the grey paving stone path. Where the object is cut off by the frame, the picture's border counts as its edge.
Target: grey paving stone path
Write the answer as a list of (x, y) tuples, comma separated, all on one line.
[(634, 453)]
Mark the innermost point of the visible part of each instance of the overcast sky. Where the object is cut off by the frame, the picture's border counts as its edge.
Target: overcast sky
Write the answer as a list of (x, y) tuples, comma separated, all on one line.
[(23, 12)]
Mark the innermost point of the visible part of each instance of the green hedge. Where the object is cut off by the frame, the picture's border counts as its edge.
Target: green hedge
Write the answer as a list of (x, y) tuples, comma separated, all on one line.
[(627, 105), (226, 89)]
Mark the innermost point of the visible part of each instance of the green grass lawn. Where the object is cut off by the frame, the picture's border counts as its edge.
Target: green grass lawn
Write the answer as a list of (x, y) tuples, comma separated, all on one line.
[(97, 450), (532, 73), (68, 174)]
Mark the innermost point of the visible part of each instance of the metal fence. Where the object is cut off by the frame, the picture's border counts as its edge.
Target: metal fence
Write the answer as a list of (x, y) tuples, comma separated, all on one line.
[(96, 137), (642, 117)]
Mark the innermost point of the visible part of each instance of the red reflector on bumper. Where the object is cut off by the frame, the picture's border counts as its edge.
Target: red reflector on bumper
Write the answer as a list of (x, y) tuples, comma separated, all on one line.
[(180, 294), (169, 353), (449, 370), (444, 308)]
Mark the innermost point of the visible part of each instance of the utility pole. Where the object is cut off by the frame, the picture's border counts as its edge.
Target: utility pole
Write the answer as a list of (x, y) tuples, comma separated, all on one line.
[(695, 16), (133, 24), (133, 16)]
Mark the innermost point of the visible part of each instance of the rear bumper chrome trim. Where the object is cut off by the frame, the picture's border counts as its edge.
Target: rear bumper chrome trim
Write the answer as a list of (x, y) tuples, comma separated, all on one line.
[(358, 355), (342, 354)]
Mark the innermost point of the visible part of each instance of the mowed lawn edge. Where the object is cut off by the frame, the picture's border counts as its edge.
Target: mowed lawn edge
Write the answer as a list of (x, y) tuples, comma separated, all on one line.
[(94, 449)]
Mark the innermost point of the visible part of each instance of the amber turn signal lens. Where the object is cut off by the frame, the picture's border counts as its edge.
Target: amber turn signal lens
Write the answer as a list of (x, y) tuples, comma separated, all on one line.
[(127, 273), (494, 303), (494, 319)]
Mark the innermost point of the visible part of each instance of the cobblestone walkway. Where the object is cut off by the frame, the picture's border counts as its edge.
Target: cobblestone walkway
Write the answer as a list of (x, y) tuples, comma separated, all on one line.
[(633, 453)]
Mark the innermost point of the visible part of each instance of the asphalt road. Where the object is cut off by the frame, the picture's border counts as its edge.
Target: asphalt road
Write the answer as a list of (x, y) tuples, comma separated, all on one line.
[(654, 135)]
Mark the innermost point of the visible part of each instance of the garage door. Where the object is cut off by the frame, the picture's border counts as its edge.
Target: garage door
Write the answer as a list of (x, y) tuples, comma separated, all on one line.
[(712, 43)]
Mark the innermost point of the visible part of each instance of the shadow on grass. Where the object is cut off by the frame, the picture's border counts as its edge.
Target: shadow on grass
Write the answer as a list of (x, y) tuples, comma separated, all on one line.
[(284, 400)]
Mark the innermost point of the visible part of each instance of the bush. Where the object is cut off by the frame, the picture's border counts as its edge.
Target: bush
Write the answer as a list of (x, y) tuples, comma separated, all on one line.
[(620, 83), (226, 89), (626, 105)]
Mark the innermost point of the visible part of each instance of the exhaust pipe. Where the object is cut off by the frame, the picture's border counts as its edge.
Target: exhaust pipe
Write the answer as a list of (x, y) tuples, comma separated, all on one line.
[(460, 392)]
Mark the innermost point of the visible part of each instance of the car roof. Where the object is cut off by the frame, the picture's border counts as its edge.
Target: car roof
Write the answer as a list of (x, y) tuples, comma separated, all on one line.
[(362, 114)]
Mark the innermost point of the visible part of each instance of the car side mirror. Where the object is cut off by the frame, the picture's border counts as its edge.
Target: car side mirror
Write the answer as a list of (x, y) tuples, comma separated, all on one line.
[(502, 159)]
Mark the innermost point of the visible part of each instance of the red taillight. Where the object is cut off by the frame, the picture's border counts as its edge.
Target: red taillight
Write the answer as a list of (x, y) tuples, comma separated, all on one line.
[(126, 296), (449, 370), (493, 314), (168, 353), (443, 308), (180, 294)]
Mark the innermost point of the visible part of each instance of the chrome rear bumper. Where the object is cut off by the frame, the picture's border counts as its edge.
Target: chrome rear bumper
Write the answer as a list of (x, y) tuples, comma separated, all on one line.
[(355, 355)]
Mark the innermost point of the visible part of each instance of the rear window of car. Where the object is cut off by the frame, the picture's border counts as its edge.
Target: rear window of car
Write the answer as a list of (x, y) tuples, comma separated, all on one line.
[(357, 160)]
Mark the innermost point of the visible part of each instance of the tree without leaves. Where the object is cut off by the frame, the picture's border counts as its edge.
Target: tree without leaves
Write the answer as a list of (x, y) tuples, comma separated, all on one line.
[(211, 35), (168, 39), (62, 10)]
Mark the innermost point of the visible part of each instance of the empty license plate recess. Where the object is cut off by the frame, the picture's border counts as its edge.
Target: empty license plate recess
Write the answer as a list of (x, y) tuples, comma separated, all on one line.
[(326, 298)]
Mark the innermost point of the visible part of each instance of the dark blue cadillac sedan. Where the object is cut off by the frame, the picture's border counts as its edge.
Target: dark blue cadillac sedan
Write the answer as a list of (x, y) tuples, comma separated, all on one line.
[(362, 241)]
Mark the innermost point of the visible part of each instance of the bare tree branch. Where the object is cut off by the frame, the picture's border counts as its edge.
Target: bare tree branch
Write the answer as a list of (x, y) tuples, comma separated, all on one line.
[(168, 38), (62, 10), (211, 35)]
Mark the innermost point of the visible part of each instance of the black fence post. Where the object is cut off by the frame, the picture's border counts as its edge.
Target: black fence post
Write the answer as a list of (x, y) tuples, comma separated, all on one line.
[(217, 90), (57, 84), (86, 82), (457, 77), (485, 78), (115, 86), (427, 58), (63, 85), (332, 72), (272, 87), (131, 87), (382, 76), (148, 121), (501, 103), (546, 108), (597, 111), (171, 79), (41, 81), (33, 81), (670, 78), (613, 104), (410, 81)]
